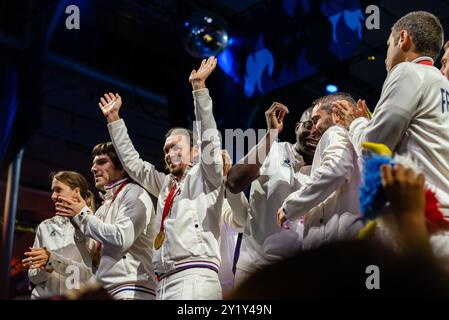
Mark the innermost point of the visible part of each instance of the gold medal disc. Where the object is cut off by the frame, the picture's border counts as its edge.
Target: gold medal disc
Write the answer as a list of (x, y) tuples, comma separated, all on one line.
[(159, 240)]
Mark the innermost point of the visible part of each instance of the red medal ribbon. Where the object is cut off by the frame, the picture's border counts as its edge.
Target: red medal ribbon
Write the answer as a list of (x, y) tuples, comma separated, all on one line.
[(118, 190), (167, 206)]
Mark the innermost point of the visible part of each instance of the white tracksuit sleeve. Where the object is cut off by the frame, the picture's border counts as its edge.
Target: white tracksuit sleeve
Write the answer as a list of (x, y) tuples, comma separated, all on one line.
[(400, 96), (235, 212), (39, 275), (142, 172), (211, 162), (129, 224), (335, 169)]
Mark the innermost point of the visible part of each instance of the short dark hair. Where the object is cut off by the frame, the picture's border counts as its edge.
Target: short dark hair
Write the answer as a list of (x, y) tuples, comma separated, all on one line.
[(108, 149), (182, 131), (326, 101), (425, 30)]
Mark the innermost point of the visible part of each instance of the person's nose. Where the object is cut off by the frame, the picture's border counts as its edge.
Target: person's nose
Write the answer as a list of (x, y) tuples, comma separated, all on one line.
[(314, 131)]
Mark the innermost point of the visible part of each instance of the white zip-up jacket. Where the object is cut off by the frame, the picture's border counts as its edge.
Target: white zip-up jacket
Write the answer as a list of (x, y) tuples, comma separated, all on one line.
[(264, 242), (412, 116), (329, 201), (71, 265), (126, 229), (192, 227)]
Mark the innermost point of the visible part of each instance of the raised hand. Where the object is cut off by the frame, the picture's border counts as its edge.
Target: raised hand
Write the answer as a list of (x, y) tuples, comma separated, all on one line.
[(406, 220), (275, 116), (110, 106), (69, 208), (198, 77), (404, 189), (362, 109), (344, 113)]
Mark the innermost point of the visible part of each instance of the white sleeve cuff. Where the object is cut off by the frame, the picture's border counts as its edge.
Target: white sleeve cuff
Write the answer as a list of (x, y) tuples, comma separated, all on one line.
[(81, 218), (200, 93)]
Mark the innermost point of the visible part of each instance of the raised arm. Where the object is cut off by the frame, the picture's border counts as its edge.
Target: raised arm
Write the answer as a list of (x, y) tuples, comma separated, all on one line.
[(246, 170), (211, 162), (144, 173)]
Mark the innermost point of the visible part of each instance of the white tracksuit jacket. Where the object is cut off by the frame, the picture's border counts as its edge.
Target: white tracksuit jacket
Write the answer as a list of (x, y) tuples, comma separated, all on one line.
[(67, 259), (412, 116), (264, 242), (329, 201), (126, 230), (192, 227)]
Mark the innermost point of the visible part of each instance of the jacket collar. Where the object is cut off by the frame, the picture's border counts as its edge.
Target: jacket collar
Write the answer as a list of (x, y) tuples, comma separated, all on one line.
[(112, 188), (423, 58)]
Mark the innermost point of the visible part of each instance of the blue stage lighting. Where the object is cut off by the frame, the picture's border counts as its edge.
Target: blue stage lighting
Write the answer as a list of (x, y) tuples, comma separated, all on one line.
[(331, 88)]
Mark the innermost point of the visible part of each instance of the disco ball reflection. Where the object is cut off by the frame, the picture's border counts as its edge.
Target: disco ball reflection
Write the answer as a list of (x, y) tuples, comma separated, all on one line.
[(205, 35)]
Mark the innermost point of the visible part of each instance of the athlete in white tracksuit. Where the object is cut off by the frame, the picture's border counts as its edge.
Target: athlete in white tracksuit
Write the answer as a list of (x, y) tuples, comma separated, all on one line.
[(71, 266), (283, 171), (329, 200), (124, 226), (412, 114), (188, 261)]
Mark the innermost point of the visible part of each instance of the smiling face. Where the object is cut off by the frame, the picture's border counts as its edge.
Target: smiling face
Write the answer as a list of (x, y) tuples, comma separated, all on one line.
[(104, 171), (306, 137), (322, 118), (177, 153), (61, 189)]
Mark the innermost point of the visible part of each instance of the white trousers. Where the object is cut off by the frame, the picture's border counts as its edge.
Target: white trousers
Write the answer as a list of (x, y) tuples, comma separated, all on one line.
[(190, 284)]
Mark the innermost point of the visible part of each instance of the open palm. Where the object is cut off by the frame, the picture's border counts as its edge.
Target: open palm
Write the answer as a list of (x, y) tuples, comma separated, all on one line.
[(198, 77), (110, 104)]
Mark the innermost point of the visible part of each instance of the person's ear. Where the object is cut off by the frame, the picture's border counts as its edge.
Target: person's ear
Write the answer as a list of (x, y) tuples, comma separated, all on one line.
[(298, 124), (77, 190), (405, 40)]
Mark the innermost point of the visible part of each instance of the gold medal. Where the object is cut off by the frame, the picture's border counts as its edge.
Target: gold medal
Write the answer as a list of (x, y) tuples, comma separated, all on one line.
[(159, 240)]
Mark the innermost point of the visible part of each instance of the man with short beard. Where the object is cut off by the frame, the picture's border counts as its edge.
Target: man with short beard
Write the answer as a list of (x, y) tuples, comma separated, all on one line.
[(328, 202)]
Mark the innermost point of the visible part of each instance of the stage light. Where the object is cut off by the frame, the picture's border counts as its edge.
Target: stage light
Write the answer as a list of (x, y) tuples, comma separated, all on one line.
[(331, 88), (205, 35)]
